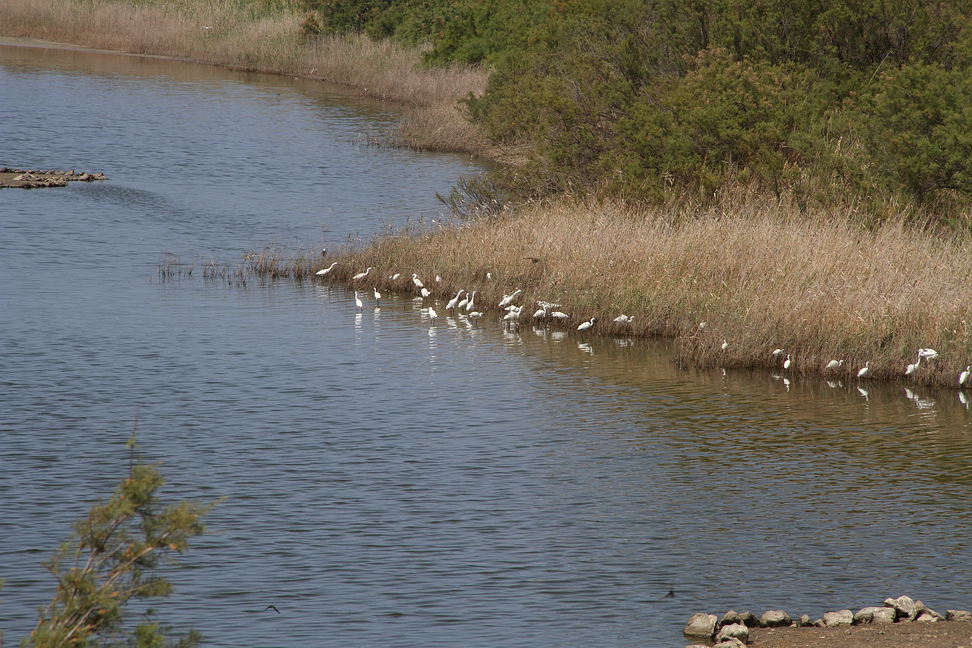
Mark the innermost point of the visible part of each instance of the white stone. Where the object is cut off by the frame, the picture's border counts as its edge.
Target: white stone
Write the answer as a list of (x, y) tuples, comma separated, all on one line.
[(701, 625), (840, 618)]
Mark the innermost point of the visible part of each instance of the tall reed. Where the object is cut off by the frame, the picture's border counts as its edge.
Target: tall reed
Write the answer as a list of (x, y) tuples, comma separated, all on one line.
[(758, 275)]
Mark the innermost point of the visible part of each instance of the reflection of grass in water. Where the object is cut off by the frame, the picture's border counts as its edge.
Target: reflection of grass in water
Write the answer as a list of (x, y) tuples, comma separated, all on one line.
[(254, 37), (759, 276)]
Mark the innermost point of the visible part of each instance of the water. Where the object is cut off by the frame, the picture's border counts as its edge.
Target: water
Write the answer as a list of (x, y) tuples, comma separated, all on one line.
[(389, 482)]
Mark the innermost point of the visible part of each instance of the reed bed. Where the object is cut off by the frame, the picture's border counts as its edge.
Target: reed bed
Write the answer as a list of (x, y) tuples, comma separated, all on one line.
[(225, 32), (760, 277)]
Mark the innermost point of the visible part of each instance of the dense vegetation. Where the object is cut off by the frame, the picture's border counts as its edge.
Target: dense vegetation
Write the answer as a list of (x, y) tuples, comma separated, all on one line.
[(824, 101)]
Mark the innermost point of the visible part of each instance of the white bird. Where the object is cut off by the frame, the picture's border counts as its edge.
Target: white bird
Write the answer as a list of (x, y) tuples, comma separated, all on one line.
[(586, 325), (418, 282), (559, 315), (470, 304), (777, 353), (432, 314), (539, 313), (913, 367), (512, 314), (425, 292), (864, 370), (362, 275), (725, 344), (787, 362), (964, 376), (927, 354), (509, 298), (834, 364), (321, 273), (395, 276), (438, 279), (455, 300), (357, 300), (377, 296), (475, 315), (623, 319)]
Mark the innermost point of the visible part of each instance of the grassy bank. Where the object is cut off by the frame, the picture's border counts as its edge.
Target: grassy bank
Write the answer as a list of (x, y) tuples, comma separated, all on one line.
[(760, 276), (256, 38)]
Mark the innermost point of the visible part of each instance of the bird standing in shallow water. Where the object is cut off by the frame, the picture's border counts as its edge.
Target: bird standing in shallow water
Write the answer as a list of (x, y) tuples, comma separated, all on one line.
[(587, 325), (964, 376), (787, 362), (362, 275), (357, 300), (864, 370), (377, 296), (418, 282), (321, 273)]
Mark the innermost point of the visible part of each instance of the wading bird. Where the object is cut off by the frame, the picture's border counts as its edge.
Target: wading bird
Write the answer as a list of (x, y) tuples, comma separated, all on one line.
[(377, 296), (913, 367), (787, 362), (321, 273), (471, 303), (587, 325), (559, 315), (725, 344), (418, 282), (927, 354), (395, 276), (425, 292), (507, 299), (623, 319), (864, 370), (357, 300), (455, 300), (834, 364), (432, 314), (362, 275), (964, 376)]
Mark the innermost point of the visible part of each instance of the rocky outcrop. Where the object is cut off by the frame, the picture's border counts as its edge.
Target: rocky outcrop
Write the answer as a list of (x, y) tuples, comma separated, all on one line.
[(732, 630), (35, 179)]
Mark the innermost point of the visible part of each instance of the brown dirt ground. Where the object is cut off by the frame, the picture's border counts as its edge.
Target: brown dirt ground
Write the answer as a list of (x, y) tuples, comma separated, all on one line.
[(941, 634)]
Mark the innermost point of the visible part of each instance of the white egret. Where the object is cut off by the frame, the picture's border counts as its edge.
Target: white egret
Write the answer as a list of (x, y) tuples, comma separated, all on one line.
[(438, 279), (395, 276), (425, 292), (622, 319), (362, 275), (864, 370), (777, 353), (470, 304), (357, 300), (321, 273), (432, 314), (587, 325), (539, 313), (834, 364), (455, 300), (475, 315), (964, 376), (509, 298), (927, 354), (377, 296), (725, 344), (787, 362), (418, 282), (913, 367), (559, 315)]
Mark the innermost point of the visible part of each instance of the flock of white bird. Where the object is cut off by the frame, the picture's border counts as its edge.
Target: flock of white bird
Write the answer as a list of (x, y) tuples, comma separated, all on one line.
[(464, 303)]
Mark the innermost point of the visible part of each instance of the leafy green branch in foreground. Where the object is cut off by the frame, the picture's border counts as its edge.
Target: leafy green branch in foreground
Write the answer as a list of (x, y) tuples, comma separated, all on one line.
[(109, 561)]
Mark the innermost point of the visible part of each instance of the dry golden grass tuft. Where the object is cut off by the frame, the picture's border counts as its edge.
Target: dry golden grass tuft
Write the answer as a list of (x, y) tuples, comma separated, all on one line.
[(759, 276), (225, 32)]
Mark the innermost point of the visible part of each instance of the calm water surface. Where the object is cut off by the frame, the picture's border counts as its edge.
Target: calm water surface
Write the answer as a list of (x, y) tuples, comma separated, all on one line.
[(389, 482)]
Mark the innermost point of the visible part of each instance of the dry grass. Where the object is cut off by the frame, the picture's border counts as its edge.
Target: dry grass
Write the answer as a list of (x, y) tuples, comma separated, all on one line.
[(761, 277), (223, 32)]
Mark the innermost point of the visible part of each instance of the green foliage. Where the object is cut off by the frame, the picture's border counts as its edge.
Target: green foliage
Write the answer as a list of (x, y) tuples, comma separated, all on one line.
[(110, 561)]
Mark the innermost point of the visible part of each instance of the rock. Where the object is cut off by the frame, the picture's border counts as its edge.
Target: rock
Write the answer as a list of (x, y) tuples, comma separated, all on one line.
[(729, 618), (874, 615), (749, 620), (804, 621), (958, 615), (701, 625), (904, 607), (841, 618), (775, 619), (925, 613), (730, 643), (733, 631)]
